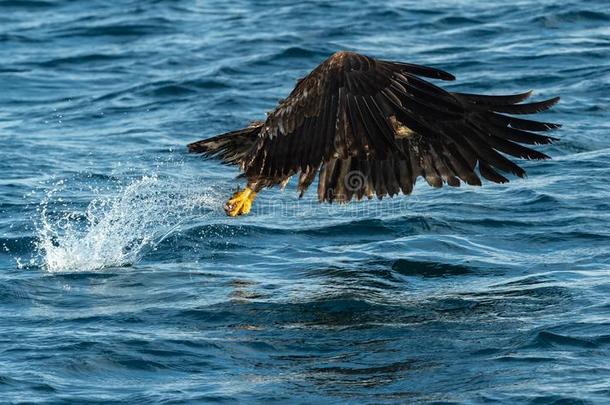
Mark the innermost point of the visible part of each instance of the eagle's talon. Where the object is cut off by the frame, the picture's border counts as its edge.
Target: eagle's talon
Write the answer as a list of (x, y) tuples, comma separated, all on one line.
[(240, 203)]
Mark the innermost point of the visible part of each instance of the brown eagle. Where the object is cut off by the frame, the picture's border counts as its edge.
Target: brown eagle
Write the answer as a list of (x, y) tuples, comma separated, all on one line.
[(372, 127)]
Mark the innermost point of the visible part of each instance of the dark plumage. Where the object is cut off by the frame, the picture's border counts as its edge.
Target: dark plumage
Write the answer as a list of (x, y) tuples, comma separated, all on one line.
[(379, 119)]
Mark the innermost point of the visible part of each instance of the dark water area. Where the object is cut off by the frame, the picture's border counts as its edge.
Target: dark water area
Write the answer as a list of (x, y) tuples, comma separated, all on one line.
[(121, 279)]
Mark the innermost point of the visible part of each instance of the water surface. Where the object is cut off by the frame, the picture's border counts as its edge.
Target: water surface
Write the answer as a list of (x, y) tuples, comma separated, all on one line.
[(122, 280)]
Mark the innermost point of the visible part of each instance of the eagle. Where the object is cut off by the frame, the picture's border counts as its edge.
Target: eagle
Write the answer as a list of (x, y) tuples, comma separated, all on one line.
[(371, 127)]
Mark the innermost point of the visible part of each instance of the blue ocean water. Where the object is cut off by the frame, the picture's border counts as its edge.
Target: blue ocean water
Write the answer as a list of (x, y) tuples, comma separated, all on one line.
[(121, 280)]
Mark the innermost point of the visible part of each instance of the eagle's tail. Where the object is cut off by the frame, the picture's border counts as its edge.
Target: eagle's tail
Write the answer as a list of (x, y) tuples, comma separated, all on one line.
[(230, 147)]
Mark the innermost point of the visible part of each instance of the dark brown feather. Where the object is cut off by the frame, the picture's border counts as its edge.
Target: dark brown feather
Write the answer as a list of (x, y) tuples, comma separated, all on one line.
[(378, 118)]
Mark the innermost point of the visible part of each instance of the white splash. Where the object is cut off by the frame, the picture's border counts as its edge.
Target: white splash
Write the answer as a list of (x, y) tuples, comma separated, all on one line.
[(115, 230)]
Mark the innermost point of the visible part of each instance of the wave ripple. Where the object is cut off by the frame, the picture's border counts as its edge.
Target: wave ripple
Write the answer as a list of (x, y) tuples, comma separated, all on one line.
[(121, 280)]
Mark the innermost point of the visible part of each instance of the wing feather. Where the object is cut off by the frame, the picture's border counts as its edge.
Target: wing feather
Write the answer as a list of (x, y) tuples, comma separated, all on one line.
[(380, 118), (500, 100)]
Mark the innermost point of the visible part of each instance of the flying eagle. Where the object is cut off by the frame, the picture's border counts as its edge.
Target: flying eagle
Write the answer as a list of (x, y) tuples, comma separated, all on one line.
[(372, 127)]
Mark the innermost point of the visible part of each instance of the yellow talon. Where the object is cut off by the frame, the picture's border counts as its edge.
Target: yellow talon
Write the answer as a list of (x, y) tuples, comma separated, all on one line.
[(240, 203)]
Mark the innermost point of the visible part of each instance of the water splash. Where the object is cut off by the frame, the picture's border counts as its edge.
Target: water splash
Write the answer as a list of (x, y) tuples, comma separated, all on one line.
[(116, 229)]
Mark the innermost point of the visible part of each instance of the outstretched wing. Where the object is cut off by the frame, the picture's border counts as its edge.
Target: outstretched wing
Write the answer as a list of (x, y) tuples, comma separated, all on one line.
[(354, 113)]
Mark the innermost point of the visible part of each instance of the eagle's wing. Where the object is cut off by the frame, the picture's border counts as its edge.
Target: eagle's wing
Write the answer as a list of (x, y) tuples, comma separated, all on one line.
[(380, 119)]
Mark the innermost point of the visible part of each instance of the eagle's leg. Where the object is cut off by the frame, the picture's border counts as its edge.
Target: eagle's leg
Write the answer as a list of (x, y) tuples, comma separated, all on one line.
[(241, 202)]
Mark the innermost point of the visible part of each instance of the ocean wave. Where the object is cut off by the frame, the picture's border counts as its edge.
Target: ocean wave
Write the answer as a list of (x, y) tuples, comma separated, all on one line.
[(27, 4), (88, 58), (150, 26), (429, 269), (129, 274), (571, 16)]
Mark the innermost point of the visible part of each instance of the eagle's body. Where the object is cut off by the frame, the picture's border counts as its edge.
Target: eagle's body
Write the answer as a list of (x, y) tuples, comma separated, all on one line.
[(355, 115)]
